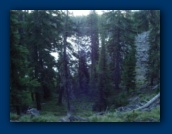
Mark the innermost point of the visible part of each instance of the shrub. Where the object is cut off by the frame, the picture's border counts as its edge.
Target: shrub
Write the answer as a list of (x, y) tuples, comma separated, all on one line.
[(45, 118), (109, 117), (14, 116), (121, 99), (132, 116), (152, 116), (25, 118)]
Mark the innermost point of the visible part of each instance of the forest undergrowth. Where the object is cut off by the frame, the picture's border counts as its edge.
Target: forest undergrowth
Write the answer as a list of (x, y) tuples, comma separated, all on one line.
[(52, 112)]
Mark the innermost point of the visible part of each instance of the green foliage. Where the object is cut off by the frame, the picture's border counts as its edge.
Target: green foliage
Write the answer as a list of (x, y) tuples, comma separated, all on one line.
[(153, 73), (94, 37), (145, 97), (19, 87), (36, 34), (153, 116), (52, 107), (85, 113), (102, 73), (121, 99), (130, 117), (50, 112), (137, 116), (133, 116), (45, 118), (14, 116), (116, 100), (25, 98), (108, 117), (34, 84), (129, 63), (129, 74), (141, 21), (25, 118)]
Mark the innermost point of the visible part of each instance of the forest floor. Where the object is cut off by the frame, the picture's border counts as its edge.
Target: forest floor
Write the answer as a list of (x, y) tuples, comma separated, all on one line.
[(51, 112)]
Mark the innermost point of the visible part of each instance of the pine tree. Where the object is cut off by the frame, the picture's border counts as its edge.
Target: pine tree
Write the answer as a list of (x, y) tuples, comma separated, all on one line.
[(129, 74), (43, 38), (65, 64), (115, 42), (153, 74), (101, 103), (141, 21), (93, 33), (101, 74), (129, 53), (65, 51), (20, 82), (83, 73)]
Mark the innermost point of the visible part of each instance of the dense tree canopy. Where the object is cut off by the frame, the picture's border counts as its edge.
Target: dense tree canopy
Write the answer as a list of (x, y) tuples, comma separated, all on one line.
[(95, 57)]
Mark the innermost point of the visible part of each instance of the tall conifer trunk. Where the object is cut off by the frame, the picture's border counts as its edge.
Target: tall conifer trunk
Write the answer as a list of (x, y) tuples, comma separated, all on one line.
[(66, 75)]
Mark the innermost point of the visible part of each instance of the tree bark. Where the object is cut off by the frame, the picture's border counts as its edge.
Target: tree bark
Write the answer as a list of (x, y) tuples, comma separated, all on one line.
[(66, 78), (60, 95), (32, 96), (38, 101), (18, 110)]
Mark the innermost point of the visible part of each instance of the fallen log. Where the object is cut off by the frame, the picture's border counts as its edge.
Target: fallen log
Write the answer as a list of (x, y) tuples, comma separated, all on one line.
[(149, 102), (155, 87)]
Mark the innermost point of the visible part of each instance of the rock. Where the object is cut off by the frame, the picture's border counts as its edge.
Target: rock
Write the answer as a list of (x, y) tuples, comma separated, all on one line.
[(100, 113), (64, 119), (33, 112), (73, 119)]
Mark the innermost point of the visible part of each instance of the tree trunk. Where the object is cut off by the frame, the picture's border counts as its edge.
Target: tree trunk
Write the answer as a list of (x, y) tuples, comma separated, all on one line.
[(151, 81), (18, 110), (38, 101), (32, 96), (37, 95), (60, 96), (66, 78), (117, 57), (149, 102)]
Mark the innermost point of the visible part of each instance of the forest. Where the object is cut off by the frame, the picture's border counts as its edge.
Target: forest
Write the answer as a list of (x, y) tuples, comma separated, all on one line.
[(89, 68)]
